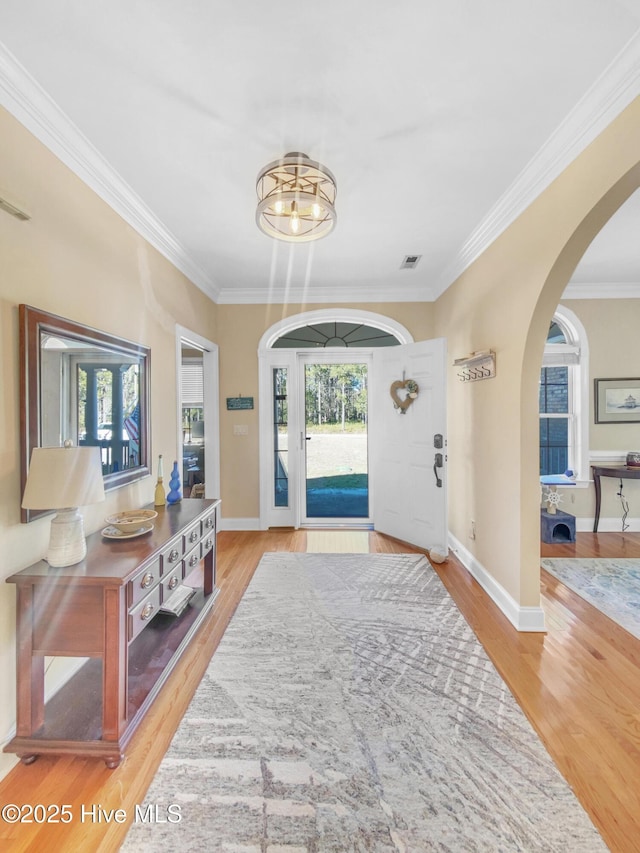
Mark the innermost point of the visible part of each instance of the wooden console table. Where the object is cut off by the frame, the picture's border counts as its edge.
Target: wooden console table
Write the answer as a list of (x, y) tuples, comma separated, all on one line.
[(107, 609), (620, 472)]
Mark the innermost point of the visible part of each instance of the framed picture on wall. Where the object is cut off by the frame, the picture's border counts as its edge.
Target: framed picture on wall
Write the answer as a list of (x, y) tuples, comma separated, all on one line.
[(617, 401)]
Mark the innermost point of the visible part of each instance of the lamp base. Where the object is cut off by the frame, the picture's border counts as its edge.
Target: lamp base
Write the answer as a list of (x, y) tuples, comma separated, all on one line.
[(67, 545)]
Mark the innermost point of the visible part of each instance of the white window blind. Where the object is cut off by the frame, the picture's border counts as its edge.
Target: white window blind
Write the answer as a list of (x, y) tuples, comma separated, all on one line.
[(192, 383), (560, 355)]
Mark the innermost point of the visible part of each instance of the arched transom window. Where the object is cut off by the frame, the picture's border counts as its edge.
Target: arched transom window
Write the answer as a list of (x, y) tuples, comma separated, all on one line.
[(335, 334)]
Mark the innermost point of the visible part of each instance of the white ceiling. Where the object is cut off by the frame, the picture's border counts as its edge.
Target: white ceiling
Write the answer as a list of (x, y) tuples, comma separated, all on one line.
[(440, 120)]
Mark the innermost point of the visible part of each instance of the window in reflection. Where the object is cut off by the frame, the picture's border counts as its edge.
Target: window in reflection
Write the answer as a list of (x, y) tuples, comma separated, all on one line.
[(109, 412)]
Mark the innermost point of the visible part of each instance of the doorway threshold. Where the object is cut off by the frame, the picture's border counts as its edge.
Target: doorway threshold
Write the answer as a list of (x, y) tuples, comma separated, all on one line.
[(336, 524), (337, 541)]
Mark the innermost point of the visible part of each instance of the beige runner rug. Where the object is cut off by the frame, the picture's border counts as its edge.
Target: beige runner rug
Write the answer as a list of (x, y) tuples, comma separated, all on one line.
[(350, 707)]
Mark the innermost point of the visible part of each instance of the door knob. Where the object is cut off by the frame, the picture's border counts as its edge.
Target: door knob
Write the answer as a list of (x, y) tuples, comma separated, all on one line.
[(438, 463)]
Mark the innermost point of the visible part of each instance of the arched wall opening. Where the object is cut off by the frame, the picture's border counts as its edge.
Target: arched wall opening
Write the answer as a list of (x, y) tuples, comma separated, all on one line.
[(504, 301), (547, 304)]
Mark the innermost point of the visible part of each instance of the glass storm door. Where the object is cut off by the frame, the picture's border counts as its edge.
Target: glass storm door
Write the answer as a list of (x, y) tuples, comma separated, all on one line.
[(334, 440)]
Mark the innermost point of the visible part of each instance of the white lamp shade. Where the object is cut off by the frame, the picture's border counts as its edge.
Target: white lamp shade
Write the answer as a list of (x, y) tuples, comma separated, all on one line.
[(61, 477)]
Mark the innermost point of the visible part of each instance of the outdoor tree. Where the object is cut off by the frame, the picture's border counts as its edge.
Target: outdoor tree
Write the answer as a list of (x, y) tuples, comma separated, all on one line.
[(336, 395)]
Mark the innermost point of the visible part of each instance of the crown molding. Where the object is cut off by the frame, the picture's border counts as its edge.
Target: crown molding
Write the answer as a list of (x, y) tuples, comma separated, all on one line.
[(602, 290), (618, 85), (615, 89), (321, 295), (25, 99)]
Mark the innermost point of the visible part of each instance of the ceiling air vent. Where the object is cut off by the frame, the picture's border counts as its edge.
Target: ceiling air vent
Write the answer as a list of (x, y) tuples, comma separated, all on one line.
[(410, 262)]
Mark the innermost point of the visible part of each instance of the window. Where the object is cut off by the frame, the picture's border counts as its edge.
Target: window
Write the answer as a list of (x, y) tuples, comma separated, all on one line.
[(335, 334), (280, 437), (563, 398), (556, 422)]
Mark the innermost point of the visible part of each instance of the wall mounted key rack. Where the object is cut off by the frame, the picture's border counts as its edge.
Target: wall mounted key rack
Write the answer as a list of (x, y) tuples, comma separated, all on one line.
[(478, 365)]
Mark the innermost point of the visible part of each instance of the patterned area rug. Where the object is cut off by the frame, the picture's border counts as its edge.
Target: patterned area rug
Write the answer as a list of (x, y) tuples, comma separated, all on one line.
[(613, 586), (349, 707)]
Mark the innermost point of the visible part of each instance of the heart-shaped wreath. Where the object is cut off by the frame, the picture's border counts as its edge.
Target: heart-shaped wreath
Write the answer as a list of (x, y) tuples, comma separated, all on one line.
[(410, 386)]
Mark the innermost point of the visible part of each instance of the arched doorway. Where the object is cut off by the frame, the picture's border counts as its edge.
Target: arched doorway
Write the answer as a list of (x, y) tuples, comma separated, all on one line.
[(505, 301), (585, 231), (319, 475), (607, 313)]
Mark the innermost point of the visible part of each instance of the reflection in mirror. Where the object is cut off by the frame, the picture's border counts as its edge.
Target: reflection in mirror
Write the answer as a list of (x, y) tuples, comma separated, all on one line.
[(193, 424), (87, 386)]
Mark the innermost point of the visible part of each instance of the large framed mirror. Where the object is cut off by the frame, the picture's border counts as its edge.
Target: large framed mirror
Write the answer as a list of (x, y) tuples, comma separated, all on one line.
[(87, 386)]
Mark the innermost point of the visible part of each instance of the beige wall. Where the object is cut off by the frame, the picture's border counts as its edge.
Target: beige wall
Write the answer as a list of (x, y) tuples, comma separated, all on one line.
[(79, 259), (240, 328), (505, 301), (611, 327), (613, 332)]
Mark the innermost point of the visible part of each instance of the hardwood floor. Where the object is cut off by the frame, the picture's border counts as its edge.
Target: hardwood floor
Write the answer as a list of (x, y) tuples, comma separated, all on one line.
[(579, 685)]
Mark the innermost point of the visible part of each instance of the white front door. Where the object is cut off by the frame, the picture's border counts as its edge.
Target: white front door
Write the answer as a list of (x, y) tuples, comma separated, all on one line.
[(408, 449)]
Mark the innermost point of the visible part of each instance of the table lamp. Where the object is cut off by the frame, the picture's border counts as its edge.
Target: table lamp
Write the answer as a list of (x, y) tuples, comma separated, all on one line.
[(64, 478)]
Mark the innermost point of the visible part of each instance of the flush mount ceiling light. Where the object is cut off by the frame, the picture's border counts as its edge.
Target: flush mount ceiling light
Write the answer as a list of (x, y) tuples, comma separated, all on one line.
[(296, 199)]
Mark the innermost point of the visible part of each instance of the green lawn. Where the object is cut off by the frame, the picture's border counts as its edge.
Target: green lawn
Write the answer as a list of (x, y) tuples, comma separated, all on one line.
[(339, 481)]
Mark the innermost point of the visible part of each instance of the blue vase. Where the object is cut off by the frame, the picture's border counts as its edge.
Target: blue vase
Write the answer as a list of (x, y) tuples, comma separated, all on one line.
[(175, 493)]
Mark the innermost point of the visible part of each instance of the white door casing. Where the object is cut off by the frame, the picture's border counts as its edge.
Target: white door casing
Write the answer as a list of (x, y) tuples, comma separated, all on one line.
[(210, 404), (270, 358), (407, 502)]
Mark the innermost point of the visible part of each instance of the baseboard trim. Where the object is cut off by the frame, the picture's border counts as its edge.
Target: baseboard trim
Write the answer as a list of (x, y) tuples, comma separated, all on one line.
[(522, 618), (239, 524), (608, 525)]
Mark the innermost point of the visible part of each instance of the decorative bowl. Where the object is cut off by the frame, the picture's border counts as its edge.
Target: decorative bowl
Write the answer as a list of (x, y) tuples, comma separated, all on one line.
[(131, 519), (633, 459)]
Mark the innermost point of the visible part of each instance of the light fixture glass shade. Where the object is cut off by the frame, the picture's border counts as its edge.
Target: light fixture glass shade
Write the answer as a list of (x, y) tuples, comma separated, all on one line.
[(64, 478), (296, 198)]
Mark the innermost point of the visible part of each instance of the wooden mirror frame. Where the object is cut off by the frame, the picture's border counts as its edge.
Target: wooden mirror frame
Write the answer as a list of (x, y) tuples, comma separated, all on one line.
[(33, 323)]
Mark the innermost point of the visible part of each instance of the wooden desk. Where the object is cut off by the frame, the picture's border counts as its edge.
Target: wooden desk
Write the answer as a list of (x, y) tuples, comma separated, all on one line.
[(620, 472), (106, 609)]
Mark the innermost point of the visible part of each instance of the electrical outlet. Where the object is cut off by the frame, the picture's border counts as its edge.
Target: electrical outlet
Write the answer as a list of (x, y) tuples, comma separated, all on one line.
[(472, 530)]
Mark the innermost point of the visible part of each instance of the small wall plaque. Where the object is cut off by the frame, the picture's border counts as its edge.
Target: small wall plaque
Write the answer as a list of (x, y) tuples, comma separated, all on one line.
[(236, 403)]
